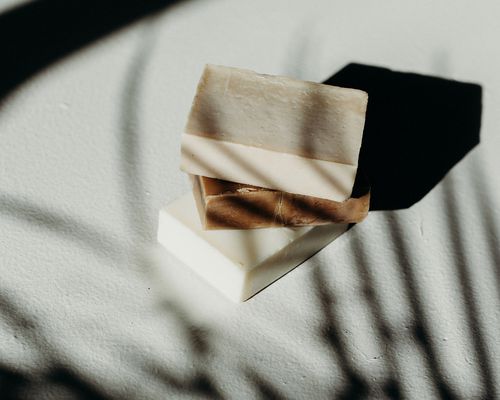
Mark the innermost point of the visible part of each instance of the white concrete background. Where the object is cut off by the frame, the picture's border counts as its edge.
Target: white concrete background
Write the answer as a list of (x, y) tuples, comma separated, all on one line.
[(89, 152)]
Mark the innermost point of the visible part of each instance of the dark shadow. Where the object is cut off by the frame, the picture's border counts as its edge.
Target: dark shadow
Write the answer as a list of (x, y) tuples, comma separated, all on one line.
[(12, 383), (356, 387), (78, 387), (39, 33), (417, 128), (200, 383), (264, 388), (18, 386)]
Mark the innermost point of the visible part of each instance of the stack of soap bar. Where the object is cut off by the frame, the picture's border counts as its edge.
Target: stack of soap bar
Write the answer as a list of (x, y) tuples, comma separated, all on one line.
[(293, 148), (239, 263), (274, 132), (229, 205)]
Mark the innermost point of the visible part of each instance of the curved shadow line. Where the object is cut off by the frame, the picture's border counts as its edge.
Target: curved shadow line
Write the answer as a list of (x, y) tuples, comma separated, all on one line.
[(421, 328), (196, 335), (37, 34), (130, 144), (200, 383), (265, 389), (65, 226), (356, 387), (393, 385)]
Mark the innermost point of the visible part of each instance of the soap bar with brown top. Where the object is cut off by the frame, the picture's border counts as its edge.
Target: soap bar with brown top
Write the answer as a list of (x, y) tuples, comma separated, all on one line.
[(229, 205), (241, 122)]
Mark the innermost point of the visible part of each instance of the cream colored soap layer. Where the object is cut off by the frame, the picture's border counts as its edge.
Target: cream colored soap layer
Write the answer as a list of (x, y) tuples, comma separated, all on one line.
[(279, 113), (265, 168), (239, 263)]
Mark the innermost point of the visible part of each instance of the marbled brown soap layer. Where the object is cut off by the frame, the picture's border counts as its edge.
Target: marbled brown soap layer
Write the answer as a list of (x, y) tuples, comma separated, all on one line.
[(231, 205)]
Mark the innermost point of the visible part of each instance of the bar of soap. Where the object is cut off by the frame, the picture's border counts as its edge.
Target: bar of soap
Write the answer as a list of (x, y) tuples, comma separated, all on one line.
[(224, 205), (239, 263), (274, 132)]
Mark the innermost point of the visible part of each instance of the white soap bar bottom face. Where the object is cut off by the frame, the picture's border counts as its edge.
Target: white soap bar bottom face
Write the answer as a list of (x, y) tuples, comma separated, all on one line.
[(239, 263)]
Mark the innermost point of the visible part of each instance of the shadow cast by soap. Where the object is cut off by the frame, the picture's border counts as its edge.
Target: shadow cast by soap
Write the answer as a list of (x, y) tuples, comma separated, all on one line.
[(417, 128)]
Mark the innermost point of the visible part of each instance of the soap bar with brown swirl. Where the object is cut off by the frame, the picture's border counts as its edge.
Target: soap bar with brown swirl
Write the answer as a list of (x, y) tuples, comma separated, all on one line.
[(229, 205)]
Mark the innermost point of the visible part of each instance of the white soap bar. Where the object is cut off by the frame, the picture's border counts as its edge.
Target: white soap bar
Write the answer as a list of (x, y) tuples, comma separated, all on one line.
[(263, 130), (238, 262)]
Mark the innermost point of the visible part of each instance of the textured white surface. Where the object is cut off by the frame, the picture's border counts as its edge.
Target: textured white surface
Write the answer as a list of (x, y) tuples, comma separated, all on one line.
[(90, 152)]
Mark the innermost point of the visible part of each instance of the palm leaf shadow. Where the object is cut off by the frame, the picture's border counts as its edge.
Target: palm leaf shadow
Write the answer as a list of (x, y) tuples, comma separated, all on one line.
[(57, 371), (36, 34), (130, 138), (76, 230), (457, 235)]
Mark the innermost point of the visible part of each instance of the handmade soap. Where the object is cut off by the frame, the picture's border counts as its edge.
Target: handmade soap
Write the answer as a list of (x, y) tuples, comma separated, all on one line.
[(274, 132), (239, 263), (223, 205)]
